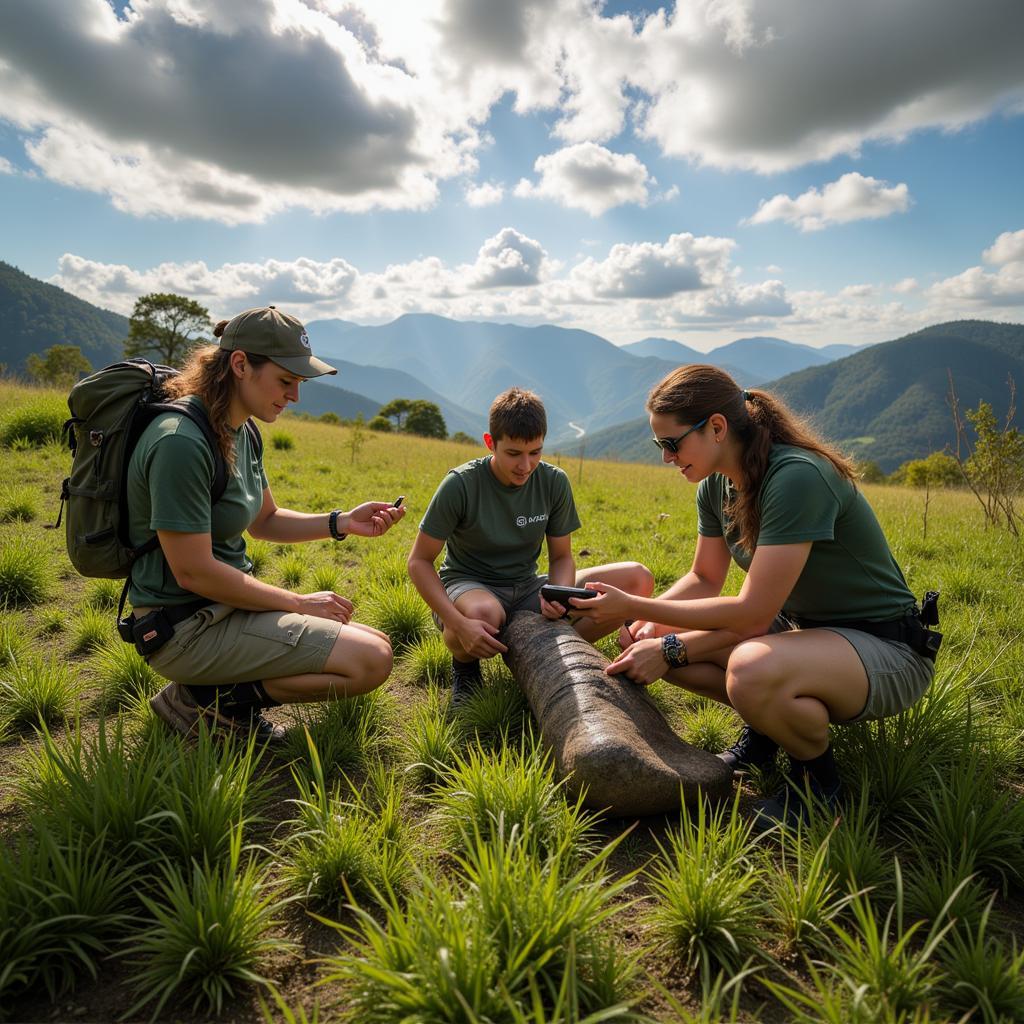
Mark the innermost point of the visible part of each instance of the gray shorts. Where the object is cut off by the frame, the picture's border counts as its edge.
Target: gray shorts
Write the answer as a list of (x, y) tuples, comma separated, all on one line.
[(513, 599), (897, 675), (221, 644)]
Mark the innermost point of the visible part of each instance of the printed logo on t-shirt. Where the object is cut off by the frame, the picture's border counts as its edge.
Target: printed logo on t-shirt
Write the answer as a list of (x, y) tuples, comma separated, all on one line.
[(526, 520)]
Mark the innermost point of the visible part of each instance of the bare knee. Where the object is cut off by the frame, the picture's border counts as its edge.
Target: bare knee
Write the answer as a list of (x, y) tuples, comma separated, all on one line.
[(750, 681), (639, 579), (363, 661)]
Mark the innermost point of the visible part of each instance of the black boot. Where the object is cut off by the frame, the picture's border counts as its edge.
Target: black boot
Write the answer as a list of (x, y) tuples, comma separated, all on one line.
[(752, 750)]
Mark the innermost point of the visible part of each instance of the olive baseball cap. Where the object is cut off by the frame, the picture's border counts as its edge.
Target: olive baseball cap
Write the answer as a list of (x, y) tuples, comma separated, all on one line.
[(266, 331)]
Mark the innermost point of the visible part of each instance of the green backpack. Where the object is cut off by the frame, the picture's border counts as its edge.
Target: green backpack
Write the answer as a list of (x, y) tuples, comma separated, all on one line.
[(109, 411)]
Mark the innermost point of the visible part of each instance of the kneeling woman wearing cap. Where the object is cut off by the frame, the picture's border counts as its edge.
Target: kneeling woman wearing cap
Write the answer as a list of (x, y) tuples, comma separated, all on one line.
[(240, 645)]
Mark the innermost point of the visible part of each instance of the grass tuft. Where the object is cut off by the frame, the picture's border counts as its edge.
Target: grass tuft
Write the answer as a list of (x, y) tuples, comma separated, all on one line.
[(282, 441), (399, 611), (123, 675), (38, 688), (26, 572), (428, 661), (18, 505), (211, 929), (36, 423), (103, 595), (706, 885), (92, 629)]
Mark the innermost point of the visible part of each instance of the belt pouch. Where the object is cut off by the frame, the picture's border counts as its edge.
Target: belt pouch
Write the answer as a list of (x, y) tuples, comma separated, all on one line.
[(151, 632)]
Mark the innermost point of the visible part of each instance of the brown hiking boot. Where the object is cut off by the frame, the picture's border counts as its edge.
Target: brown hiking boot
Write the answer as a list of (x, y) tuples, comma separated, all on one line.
[(177, 707)]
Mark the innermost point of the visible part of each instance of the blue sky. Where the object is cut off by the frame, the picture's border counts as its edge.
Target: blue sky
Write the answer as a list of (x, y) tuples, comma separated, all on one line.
[(823, 173)]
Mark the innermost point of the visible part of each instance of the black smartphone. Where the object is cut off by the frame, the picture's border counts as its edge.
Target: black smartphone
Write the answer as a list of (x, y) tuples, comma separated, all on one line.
[(398, 501), (551, 592)]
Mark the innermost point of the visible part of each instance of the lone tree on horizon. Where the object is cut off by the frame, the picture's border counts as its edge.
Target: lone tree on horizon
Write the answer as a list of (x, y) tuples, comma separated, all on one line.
[(166, 326)]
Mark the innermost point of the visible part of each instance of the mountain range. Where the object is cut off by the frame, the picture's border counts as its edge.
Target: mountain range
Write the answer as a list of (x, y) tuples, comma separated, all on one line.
[(885, 402)]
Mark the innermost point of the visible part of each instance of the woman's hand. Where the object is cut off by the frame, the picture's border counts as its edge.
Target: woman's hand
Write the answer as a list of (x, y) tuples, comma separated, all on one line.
[(551, 609), (325, 604), (371, 519), (608, 606), (642, 662)]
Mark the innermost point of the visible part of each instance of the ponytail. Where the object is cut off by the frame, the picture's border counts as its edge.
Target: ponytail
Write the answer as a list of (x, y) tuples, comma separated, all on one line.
[(760, 420)]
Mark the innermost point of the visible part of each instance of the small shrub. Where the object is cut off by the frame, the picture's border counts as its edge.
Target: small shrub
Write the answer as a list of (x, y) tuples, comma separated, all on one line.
[(103, 595), (982, 974), (258, 552), (18, 505), (428, 661), (432, 743), (710, 726), (347, 732), (49, 622), (325, 577), (514, 788), (37, 687), (706, 886), (123, 674), (36, 423), (345, 849), (61, 903), (282, 441), (400, 612), (92, 629), (210, 930), (26, 572), (293, 568)]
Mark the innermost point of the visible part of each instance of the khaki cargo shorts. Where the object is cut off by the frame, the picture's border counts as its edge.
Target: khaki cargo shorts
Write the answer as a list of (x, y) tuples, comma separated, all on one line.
[(221, 644), (897, 675), (513, 598)]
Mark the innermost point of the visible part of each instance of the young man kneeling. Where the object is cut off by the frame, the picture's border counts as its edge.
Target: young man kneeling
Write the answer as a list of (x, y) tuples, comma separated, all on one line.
[(492, 515)]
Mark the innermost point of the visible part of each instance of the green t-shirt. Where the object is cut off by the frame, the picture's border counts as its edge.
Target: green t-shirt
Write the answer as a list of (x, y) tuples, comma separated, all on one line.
[(850, 572), (493, 532), (169, 480)]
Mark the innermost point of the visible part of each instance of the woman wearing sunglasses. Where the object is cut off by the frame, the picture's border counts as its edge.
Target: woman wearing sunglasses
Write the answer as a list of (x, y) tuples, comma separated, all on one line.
[(824, 628)]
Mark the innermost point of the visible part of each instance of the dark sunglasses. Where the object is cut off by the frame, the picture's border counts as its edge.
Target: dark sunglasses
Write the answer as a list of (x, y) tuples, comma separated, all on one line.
[(671, 444)]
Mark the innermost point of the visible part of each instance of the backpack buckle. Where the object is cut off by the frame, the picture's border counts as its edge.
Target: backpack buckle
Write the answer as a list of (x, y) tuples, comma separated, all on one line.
[(95, 438)]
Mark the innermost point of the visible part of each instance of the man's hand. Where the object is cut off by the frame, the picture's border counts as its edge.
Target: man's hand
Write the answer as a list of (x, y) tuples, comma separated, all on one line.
[(642, 662), (551, 609), (325, 604), (479, 638), (371, 519)]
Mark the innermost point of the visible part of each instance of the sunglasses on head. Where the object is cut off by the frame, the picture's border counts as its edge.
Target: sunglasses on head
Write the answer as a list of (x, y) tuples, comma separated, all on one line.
[(671, 444)]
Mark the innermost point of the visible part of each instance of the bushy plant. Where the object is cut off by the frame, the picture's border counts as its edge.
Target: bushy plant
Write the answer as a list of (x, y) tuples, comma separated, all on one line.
[(292, 568), (432, 742), (103, 595), (37, 688), (18, 505), (710, 726), (512, 788), (503, 948), (258, 552), (497, 712), (37, 422), (26, 572), (400, 612), (62, 902), (211, 928), (706, 885), (346, 846), (92, 629), (428, 661), (282, 441), (122, 673)]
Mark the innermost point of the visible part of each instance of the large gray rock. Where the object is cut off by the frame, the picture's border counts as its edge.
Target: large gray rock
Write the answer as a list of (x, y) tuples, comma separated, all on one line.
[(605, 732)]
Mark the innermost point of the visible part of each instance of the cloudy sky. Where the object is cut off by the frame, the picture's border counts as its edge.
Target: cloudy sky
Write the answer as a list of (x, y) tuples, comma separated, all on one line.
[(819, 170)]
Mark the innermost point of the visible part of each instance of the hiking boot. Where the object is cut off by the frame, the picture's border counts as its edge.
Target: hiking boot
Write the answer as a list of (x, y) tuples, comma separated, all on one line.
[(174, 706), (465, 682), (793, 805), (752, 750)]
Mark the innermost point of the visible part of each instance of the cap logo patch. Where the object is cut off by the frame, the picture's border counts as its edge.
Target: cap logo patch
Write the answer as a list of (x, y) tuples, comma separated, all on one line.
[(304, 338)]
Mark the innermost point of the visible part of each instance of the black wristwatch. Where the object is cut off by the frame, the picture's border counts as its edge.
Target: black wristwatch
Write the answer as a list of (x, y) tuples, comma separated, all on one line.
[(673, 650), (332, 524)]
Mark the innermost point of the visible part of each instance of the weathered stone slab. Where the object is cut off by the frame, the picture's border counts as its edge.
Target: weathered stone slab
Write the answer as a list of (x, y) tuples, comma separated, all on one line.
[(605, 731)]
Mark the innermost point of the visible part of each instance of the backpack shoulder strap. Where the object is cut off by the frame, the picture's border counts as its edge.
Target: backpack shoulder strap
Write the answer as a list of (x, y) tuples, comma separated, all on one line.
[(254, 436), (198, 416)]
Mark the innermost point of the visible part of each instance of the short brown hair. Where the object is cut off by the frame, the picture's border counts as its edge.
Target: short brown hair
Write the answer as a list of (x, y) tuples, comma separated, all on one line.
[(518, 414)]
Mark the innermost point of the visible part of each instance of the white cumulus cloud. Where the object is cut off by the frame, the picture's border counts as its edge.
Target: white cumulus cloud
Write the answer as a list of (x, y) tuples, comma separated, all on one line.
[(508, 260), (485, 194), (1007, 248), (986, 290), (588, 177), (852, 197)]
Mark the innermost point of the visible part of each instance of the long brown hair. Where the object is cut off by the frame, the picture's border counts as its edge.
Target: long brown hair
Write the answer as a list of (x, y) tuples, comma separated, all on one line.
[(691, 393), (208, 375)]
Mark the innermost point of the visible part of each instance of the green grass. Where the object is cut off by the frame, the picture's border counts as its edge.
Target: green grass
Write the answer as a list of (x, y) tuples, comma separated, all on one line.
[(38, 688), (37, 422), (449, 834)]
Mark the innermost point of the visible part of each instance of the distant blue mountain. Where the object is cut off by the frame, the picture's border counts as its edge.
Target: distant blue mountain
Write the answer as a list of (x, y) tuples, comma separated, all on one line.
[(382, 385)]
